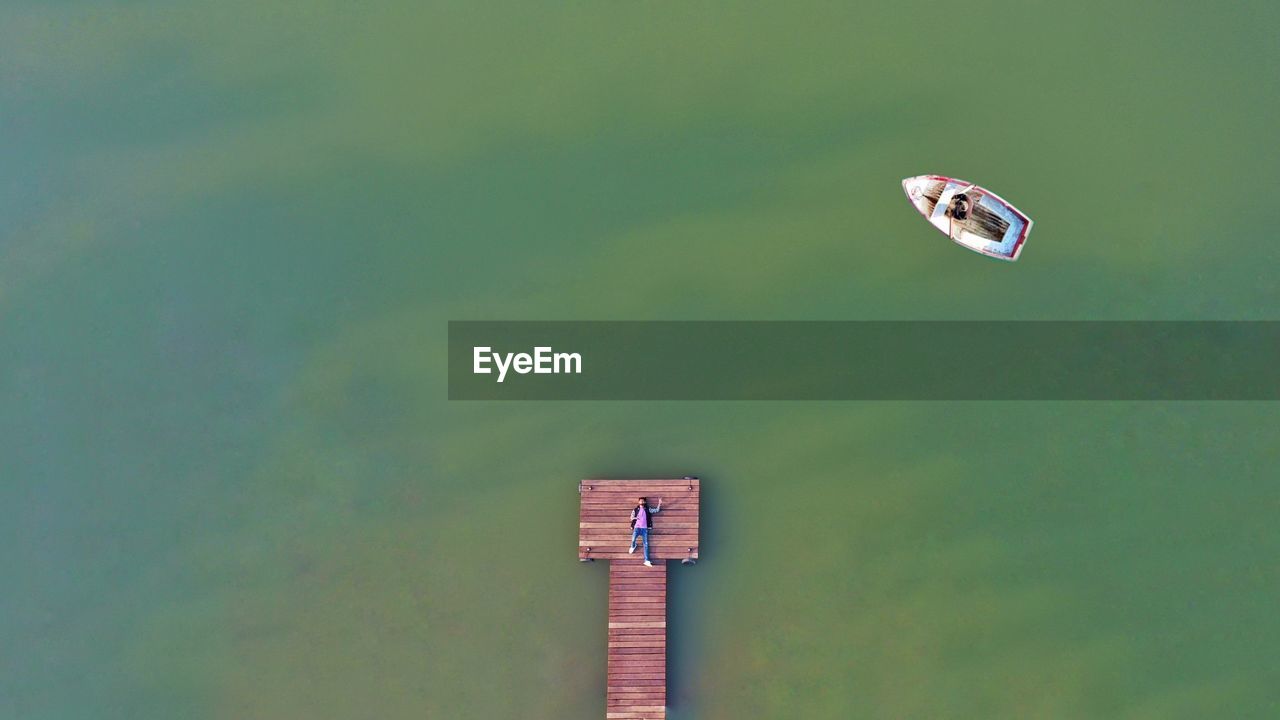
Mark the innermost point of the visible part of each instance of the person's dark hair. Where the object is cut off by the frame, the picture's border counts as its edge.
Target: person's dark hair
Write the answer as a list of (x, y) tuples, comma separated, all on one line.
[(644, 500)]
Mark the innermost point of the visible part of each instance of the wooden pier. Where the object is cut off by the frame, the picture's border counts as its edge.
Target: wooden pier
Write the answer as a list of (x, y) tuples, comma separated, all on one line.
[(637, 674)]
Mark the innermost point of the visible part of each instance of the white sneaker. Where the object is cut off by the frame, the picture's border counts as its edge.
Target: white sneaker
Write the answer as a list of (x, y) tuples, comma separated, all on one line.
[(632, 550), (646, 562)]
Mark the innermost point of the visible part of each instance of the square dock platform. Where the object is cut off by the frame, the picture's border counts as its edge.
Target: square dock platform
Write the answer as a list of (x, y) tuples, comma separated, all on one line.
[(604, 519)]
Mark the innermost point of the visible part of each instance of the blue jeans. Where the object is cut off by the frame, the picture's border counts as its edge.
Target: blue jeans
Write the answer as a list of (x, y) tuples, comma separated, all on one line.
[(641, 533)]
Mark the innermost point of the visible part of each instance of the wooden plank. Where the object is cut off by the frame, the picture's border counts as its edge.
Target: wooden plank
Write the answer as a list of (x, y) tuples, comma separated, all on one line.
[(616, 556), (679, 552), (622, 531), (614, 518), (622, 510), (620, 521), (625, 542), (668, 541), (641, 485), (640, 618), (613, 527), (623, 556), (655, 541), (590, 503), (622, 526), (625, 486), (655, 482), (623, 534), (680, 501), (656, 545), (622, 516), (667, 493), (626, 503), (615, 502)]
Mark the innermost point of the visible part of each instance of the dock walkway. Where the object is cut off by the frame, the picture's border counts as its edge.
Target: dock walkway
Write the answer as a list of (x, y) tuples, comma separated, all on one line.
[(637, 673), (637, 685)]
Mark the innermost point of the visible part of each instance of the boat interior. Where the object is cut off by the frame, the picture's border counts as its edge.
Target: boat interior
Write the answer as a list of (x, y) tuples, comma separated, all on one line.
[(981, 221)]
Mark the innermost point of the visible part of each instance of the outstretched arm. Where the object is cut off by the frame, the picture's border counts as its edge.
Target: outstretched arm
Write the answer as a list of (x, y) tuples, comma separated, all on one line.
[(954, 229)]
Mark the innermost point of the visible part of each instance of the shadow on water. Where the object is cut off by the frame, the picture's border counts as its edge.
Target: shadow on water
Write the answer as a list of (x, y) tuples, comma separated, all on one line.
[(686, 587)]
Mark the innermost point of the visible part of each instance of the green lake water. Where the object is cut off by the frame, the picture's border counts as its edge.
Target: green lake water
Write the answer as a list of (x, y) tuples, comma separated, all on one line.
[(232, 233)]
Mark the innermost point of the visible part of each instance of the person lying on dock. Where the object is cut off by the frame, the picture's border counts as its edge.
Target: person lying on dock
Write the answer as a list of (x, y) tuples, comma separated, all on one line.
[(641, 521)]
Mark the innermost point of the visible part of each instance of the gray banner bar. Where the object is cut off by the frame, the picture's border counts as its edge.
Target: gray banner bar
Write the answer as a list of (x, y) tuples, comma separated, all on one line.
[(865, 360)]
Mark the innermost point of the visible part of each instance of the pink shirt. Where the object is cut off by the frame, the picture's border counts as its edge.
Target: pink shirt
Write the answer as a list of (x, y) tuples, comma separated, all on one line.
[(642, 518)]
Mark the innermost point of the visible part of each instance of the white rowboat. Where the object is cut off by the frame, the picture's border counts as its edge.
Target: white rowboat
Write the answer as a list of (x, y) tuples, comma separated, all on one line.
[(985, 223)]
